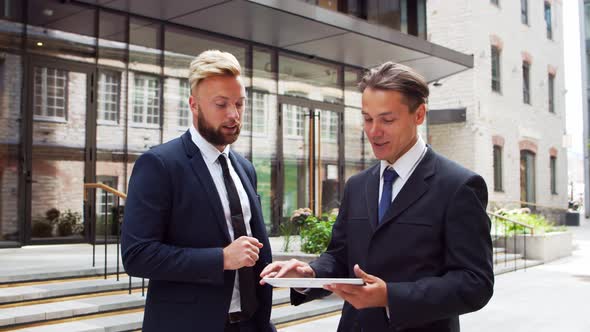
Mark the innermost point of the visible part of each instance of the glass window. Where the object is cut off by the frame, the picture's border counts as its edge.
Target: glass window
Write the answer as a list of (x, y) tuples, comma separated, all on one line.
[(498, 186), (144, 45), (11, 32), (112, 39), (50, 91), (352, 94), (294, 121), (385, 12), (496, 73), (313, 79), (553, 170), (527, 177), (548, 24), (108, 97), (353, 141), (11, 78), (264, 74), (62, 29), (329, 126), (551, 92), (146, 101), (259, 112), (524, 11), (526, 93), (184, 112)]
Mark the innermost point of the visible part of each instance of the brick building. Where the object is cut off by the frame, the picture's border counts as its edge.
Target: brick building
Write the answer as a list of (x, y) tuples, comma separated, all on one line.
[(505, 118)]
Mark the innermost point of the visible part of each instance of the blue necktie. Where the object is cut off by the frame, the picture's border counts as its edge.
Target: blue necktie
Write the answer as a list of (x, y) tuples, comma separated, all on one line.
[(389, 176)]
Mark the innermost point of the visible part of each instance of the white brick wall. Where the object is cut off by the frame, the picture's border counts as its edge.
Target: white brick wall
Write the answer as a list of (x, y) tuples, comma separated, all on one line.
[(467, 26)]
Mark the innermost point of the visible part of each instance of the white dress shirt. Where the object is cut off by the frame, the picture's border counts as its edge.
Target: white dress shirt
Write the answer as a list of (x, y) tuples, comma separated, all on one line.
[(404, 167), (210, 155)]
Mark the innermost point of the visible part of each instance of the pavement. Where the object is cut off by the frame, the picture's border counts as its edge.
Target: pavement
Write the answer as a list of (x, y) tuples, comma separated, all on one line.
[(552, 297)]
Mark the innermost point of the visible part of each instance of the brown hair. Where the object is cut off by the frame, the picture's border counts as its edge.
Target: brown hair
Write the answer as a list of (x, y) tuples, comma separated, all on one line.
[(397, 77)]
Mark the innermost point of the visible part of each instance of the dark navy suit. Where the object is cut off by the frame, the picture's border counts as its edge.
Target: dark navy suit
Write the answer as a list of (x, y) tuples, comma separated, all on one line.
[(433, 248), (174, 233)]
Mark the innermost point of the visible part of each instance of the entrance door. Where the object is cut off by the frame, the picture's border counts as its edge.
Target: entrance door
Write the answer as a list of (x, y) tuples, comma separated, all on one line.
[(57, 149), (312, 157)]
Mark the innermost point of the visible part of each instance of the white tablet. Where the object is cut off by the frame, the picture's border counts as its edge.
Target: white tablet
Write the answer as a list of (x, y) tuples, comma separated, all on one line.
[(311, 282)]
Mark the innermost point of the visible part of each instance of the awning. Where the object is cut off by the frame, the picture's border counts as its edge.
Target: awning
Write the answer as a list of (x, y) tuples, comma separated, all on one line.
[(307, 29)]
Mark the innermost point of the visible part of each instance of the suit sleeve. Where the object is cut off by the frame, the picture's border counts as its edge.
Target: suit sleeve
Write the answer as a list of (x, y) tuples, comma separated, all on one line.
[(467, 284), (333, 262), (147, 214)]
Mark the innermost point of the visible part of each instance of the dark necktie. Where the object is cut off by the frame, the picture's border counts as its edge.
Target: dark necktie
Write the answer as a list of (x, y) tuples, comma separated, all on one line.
[(389, 176), (246, 274)]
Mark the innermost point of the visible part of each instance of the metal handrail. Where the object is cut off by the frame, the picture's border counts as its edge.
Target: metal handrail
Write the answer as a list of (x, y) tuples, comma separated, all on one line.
[(107, 189), (525, 226)]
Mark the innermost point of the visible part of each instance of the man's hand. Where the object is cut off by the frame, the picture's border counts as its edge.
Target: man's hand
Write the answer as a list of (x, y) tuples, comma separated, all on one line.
[(242, 252), (372, 294), (287, 269)]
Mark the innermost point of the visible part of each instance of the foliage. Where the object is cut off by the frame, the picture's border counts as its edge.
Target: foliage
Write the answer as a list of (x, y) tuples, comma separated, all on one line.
[(293, 226), (66, 223), (538, 222), (316, 233), (41, 228)]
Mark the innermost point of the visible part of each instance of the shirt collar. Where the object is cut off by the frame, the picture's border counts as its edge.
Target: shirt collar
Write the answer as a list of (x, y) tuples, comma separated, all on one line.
[(208, 151), (406, 163)]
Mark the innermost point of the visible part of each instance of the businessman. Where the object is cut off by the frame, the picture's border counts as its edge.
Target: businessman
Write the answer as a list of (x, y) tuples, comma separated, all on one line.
[(413, 227), (193, 222)]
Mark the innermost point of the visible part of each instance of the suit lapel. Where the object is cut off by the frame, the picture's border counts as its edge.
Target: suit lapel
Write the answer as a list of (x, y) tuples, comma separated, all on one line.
[(202, 173), (412, 190), (372, 195), (256, 223)]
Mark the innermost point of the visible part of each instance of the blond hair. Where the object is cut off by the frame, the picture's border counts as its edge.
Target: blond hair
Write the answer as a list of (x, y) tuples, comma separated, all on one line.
[(212, 63)]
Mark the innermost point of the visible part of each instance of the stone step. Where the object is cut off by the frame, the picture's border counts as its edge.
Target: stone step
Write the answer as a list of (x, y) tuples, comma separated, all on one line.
[(505, 258), (47, 290), (44, 274), (133, 321), (519, 264), (85, 306)]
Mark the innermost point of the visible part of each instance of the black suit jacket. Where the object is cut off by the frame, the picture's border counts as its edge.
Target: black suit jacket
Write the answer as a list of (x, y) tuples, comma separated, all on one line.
[(174, 233), (433, 248)]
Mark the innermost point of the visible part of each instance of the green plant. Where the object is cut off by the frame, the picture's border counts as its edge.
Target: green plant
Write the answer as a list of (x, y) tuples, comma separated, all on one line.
[(316, 233), (539, 224), (41, 228), (293, 226), (68, 222)]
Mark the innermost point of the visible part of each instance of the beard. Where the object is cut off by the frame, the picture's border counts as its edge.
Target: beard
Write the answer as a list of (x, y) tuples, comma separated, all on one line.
[(214, 135)]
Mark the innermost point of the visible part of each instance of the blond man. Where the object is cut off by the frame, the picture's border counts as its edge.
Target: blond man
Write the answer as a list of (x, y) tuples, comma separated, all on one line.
[(193, 222)]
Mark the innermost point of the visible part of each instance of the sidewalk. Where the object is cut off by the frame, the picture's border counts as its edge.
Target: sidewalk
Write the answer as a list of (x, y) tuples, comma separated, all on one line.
[(547, 298)]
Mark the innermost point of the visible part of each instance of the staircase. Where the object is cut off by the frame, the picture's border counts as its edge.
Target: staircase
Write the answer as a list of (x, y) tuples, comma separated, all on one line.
[(98, 304)]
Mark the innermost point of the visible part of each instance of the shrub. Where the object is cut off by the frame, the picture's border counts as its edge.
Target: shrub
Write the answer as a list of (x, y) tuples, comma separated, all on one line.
[(538, 222), (41, 228), (316, 233)]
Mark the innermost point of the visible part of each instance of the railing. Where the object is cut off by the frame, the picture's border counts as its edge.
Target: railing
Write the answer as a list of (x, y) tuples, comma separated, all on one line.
[(116, 220), (514, 225)]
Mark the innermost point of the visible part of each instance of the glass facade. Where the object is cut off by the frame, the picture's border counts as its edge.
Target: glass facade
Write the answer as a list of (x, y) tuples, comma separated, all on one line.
[(92, 89), (408, 16)]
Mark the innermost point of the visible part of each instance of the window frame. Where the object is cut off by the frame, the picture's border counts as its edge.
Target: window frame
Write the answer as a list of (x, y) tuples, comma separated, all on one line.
[(44, 96), (183, 84), (547, 10), (144, 104), (524, 12), (497, 166), (526, 82), (100, 120), (551, 92), (553, 175), (496, 82)]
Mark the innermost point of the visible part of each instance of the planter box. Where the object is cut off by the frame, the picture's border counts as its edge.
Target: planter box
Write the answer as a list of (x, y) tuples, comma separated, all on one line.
[(572, 219), (545, 247)]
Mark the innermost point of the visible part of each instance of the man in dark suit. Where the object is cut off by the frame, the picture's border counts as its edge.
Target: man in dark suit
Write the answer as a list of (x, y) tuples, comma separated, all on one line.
[(193, 222), (414, 226)]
